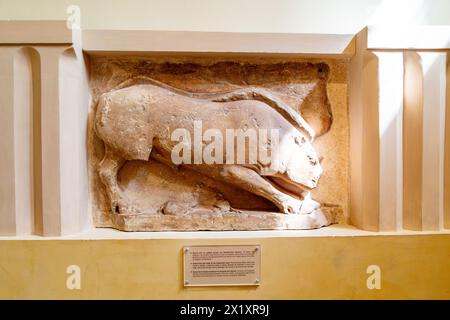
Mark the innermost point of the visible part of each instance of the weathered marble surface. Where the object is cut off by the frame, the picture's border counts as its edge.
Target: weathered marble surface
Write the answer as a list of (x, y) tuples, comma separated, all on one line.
[(226, 221), (301, 85)]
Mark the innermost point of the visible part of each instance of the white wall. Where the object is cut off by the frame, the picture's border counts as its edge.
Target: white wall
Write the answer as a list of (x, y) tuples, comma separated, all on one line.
[(308, 16)]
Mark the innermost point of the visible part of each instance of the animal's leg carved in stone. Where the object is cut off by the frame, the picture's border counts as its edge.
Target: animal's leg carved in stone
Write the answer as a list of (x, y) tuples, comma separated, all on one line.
[(251, 181), (108, 169)]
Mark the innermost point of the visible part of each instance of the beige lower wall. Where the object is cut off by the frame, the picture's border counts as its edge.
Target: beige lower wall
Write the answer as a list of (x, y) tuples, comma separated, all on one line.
[(412, 266)]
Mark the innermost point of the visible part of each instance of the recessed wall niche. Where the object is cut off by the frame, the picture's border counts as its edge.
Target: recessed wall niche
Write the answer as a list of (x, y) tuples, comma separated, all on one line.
[(155, 195), (371, 175)]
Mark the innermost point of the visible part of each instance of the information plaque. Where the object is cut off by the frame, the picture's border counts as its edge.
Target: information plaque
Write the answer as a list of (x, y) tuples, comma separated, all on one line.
[(234, 265)]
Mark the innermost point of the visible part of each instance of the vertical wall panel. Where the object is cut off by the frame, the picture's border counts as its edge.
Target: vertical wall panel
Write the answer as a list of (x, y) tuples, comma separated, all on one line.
[(7, 166), (73, 112), (390, 135), (50, 139), (18, 67), (24, 67), (64, 109), (356, 128), (424, 114), (364, 137), (433, 64), (412, 141), (37, 145), (447, 149)]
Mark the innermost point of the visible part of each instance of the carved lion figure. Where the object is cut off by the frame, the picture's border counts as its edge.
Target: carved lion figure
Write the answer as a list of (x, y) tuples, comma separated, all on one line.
[(135, 122)]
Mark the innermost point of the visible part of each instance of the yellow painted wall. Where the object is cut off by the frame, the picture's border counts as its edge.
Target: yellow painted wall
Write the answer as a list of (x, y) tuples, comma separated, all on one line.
[(412, 266), (318, 16)]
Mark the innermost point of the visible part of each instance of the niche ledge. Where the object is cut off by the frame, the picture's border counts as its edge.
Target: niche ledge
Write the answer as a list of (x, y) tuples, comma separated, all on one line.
[(336, 230)]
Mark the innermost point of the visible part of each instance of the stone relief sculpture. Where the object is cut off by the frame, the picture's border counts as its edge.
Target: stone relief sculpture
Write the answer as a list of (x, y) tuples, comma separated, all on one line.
[(208, 151)]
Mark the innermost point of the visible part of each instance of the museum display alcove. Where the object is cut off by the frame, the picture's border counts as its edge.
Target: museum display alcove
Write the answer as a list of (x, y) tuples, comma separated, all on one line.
[(361, 104), (385, 156)]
